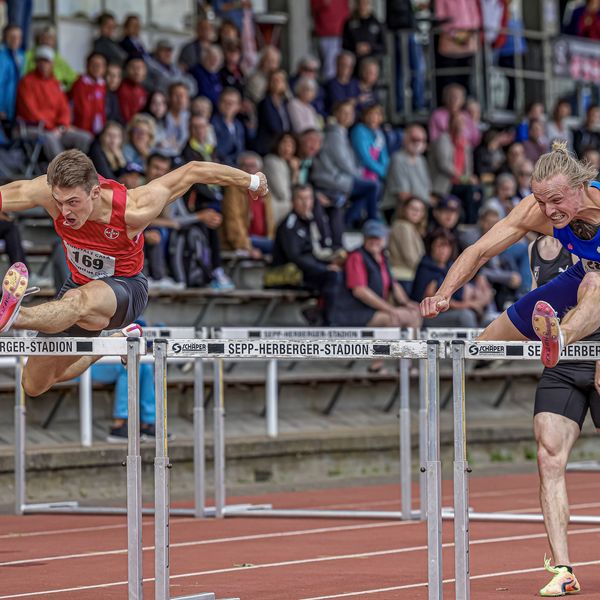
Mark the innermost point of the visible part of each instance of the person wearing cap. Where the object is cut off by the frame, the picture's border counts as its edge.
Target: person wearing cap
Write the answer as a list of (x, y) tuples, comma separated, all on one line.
[(131, 175), (164, 72), (41, 100), (370, 297), (446, 213), (88, 95)]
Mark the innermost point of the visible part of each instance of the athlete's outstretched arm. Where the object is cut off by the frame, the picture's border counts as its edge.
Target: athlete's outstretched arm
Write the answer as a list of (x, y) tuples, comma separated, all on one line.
[(525, 217), (147, 202), (26, 193)]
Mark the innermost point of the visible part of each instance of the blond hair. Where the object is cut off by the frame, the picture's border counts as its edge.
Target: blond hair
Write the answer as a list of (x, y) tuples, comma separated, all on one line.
[(559, 161), (71, 169)]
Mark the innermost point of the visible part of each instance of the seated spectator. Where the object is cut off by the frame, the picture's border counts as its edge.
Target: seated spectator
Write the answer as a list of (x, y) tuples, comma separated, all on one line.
[(308, 67), (88, 95), (295, 244), (258, 81), (13, 245), (231, 74), (207, 73), (231, 137), (524, 174), (591, 155), (131, 93), (445, 214), (363, 34), (588, 136), (105, 43), (132, 42), (489, 156), (505, 198), (12, 60), (302, 113), (106, 151), (198, 146), (202, 107), (61, 69), (585, 20), (343, 86), (163, 72), (114, 77), (370, 297), (368, 76), (370, 146), (557, 128), (177, 118), (39, 98), (191, 52), (408, 175), (406, 243), (534, 111), (336, 171), (537, 143), (329, 17), (515, 155), (272, 112), (281, 168), (248, 223), (156, 107), (453, 99), (451, 165), (131, 175), (468, 303), (309, 145), (229, 32), (141, 132)]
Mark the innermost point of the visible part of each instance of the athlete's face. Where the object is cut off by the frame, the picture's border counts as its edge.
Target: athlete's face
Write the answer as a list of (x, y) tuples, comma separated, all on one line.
[(75, 204), (559, 202)]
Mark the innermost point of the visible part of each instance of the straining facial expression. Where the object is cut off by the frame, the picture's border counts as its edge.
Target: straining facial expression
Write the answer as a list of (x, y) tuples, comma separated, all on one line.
[(559, 201), (75, 204)]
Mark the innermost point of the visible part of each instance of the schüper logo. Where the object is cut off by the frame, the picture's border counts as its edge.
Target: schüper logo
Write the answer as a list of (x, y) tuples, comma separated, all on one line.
[(493, 349), (191, 347)]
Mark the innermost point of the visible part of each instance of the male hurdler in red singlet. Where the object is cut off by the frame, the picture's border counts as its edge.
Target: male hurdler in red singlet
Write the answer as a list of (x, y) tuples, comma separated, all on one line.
[(101, 225)]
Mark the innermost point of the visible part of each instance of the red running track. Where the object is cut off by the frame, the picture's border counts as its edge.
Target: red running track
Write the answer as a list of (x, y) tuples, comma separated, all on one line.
[(84, 557)]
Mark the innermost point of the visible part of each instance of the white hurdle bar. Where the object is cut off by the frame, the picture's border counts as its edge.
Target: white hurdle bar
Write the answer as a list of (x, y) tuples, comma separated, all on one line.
[(278, 349), (60, 346), (490, 350)]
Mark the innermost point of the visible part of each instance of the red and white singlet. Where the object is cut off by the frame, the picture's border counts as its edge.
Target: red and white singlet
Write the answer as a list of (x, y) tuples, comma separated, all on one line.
[(98, 250)]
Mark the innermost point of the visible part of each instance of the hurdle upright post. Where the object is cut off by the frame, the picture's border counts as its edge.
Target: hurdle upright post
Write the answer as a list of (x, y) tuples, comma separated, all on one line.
[(271, 399), (461, 476), (434, 475), (405, 441), (219, 437), (423, 439), (134, 474), (20, 441), (199, 453)]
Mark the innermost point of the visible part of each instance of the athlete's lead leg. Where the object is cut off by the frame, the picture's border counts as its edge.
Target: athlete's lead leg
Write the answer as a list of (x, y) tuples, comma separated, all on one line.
[(584, 319)]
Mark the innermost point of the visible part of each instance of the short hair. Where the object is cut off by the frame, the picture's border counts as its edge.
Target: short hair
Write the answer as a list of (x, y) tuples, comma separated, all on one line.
[(365, 62), (440, 233), (7, 28), (305, 82), (173, 86), (341, 104), (504, 177), (486, 211), (70, 169), (92, 54), (252, 155), (159, 156), (559, 161), (104, 17), (298, 188)]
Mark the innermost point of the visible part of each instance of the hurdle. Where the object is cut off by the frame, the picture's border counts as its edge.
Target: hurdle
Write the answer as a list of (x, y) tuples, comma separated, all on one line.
[(462, 350), (280, 349)]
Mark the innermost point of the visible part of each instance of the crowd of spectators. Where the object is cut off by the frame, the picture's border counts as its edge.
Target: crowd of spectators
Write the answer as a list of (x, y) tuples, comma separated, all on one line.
[(334, 163)]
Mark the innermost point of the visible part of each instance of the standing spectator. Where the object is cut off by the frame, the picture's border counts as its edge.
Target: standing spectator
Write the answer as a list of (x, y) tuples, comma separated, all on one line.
[(141, 131), (273, 116), (191, 52), (370, 146), (454, 100), (258, 82), (39, 98), (156, 107), (61, 69), (281, 169), (557, 128), (296, 242), (132, 42), (370, 297), (368, 76), (207, 73), (20, 12), (588, 136), (132, 94), (106, 151), (336, 171), (177, 118), (231, 74), (408, 175), (329, 17), (114, 77), (89, 96), (363, 33), (105, 43), (537, 142), (343, 86), (231, 140), (163, 72), (11, 69), (308, 68), (248, 222), (406, 241), (302, 113)]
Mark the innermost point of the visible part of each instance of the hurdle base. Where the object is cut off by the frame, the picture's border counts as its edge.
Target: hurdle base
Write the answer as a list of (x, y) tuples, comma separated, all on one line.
[(520, 517), (205, 596), (299, 513), (584, 466)]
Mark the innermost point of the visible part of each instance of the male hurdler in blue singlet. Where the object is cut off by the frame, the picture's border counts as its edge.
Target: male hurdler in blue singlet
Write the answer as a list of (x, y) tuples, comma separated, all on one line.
[(565, 203)]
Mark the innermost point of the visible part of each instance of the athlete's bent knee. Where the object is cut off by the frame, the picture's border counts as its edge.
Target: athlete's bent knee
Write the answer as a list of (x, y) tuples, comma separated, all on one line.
[(76, 301), (589, 284), (552, 460), (31, 387)]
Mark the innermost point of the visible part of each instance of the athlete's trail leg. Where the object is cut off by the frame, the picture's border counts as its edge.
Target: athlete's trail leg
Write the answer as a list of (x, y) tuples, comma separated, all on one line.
[(501, 328), (584, 319)]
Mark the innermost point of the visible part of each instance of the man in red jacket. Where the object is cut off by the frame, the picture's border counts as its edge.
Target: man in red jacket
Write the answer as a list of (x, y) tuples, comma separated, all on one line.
[(89, 94), (131, 93), (40, 99)]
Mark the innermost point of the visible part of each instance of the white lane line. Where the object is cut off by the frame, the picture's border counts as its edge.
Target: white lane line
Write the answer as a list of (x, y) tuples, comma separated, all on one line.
[(304, 561), (424, 584)]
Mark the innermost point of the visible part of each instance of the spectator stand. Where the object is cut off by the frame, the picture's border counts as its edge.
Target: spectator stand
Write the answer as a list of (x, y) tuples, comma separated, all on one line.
[(274, 379)]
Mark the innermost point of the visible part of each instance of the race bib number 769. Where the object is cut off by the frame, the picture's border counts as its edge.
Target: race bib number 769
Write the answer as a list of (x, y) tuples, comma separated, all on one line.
[(90, 263)]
